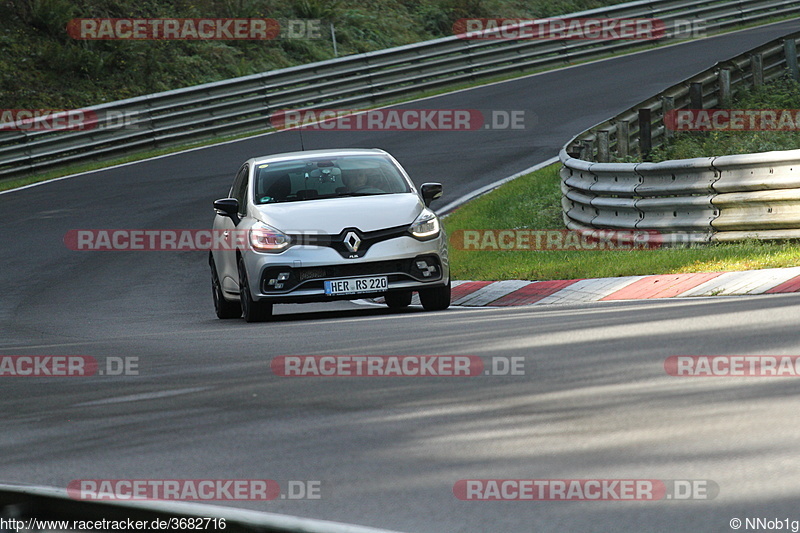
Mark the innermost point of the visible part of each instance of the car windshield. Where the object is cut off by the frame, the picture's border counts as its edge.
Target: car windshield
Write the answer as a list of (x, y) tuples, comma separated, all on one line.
[(293, 181)]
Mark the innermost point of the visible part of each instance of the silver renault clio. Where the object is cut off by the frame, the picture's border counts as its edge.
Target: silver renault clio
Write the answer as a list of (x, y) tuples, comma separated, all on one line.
[(327, 225)]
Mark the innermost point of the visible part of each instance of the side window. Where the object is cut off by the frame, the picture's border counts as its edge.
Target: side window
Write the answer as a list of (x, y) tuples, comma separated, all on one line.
[(239, 190)]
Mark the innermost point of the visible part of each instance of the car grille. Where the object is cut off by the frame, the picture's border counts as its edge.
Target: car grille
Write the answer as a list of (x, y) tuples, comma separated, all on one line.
[(338, 242), (281, 279)]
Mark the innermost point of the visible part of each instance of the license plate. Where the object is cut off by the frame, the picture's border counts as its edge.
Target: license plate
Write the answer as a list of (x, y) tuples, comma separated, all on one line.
[(356, 285)]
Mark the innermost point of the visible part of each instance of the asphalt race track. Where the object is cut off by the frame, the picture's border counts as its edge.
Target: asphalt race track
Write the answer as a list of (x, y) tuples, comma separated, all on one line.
[(595, 401)]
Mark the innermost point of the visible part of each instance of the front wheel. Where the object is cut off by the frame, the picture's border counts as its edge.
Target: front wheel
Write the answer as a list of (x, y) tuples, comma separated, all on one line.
[(224, 308), (436, 299), (252, 310)]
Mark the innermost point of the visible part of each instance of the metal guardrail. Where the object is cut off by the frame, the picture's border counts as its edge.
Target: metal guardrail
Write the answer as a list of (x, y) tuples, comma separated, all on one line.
[(26, 503), (358, 81), (725, 198)]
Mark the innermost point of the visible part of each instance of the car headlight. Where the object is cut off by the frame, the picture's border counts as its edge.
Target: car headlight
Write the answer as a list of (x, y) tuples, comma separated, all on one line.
[(426, 226), (265, 238)]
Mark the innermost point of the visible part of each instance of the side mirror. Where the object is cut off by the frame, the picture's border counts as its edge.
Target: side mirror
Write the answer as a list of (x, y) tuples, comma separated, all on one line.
[(228, 207), (430, 192)]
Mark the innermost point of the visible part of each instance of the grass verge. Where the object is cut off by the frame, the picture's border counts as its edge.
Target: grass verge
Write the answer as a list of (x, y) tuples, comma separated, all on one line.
[(533, 201)]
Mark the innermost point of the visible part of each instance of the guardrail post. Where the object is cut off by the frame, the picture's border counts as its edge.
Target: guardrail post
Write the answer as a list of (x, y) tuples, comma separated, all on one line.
[(724, 81), (696, 95), (587, 150), (645, 133), (29, 153), (623, 138), (790, 51), (573, 150), (667, 106), (757, 68), (602, 146)]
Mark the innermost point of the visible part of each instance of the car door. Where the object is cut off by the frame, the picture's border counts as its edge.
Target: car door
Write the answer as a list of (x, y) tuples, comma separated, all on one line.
[(226, 259)]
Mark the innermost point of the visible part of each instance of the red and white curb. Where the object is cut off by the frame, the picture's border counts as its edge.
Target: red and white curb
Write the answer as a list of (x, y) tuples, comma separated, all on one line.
[(514, 292), (518, 292)]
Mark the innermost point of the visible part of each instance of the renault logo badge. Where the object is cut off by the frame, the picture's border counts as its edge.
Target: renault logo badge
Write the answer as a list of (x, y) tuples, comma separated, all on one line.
[(352, 242)]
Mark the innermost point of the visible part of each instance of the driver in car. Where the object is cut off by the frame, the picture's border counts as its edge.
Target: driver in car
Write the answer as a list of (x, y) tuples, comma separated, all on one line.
[(359, 179)]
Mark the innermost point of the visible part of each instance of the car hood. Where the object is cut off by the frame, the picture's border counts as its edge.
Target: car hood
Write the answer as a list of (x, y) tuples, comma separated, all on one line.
[(332, 215)]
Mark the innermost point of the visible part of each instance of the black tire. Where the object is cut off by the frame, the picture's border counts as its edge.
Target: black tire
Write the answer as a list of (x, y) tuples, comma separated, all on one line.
[(224, 308), (252, 310), (398, 299), (437, 299)]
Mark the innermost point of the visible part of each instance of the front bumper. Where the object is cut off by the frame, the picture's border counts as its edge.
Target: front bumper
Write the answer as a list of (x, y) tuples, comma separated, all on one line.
[(298, 274)]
